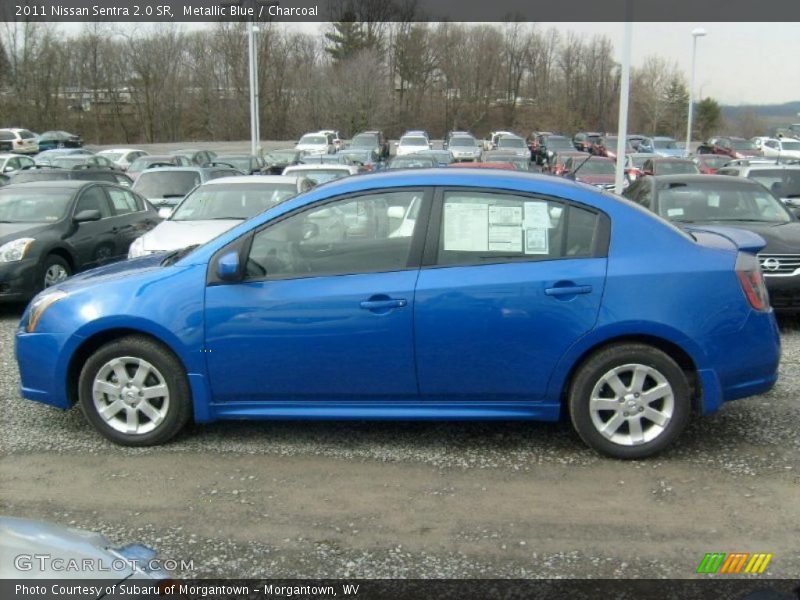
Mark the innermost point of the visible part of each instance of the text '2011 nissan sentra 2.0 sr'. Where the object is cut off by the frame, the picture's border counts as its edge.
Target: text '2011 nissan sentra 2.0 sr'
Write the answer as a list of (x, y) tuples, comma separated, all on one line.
[(432, 294)]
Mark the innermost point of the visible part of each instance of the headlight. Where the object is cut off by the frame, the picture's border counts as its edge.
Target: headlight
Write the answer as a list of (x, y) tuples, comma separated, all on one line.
[(137, 248), (15, 250), (40, 305)]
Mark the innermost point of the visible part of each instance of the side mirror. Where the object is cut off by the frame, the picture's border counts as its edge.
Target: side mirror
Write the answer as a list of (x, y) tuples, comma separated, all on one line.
[(228, 267), (87, 215), (395, 212), (8, 169), (165, 212)]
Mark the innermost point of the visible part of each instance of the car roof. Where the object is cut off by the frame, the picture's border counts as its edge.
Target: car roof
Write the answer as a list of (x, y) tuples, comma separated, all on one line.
[(178, 169), (120, 150), (691, 178), (58, 183), (317, 167), (252, 179)]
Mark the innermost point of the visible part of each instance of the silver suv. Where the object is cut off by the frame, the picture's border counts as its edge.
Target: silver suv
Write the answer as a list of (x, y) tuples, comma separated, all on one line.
[(781, 178)]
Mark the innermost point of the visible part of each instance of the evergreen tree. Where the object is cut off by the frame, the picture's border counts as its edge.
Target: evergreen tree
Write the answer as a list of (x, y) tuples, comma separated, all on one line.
[(347, 38), (709, 117), (676, 104)]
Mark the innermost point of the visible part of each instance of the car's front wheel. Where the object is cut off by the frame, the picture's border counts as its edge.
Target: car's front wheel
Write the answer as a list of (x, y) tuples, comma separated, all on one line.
[(134, 391), (629, 401)]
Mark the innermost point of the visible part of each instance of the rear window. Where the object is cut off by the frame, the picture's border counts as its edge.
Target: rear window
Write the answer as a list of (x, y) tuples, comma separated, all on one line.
[(509, 142), (166, 184), (6, 135), (414, 141)]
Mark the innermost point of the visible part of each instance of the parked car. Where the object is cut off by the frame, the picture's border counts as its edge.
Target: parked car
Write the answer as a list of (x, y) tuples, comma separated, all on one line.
[(334, 137), (122, 157), (607, 146), (635, 139), (409, 144), (214, 207), (371, 140), (670, 166), (661, 145), (735, 147), (41, 173), (43, 546), (558, 162), (520, 163), (369, 159), (50, 140), (277, 160), (10, 163), (513, 144), (491, 142), (47, 157), (504, 166), (417, 132), (548, 145), (316, 143), (93, 161), (450, 134), (19, 141), (412, 161), (465, 148), (156, 160), (708, 164), (598, 171), (634, 164), (246, 163), (197, 157), (584, 140), (318, 174), (51, 229), (4, 179), (165, 187), (780, 179), (533, 298), (442, 157), (735, 202), (340, 158), (781, 147)]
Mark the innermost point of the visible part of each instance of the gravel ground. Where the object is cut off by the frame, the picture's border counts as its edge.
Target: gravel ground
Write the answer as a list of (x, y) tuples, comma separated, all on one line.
[(394, 500)]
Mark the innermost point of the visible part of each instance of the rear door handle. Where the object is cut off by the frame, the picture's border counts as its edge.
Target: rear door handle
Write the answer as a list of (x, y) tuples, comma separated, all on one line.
[(383, 304), (568, 290)]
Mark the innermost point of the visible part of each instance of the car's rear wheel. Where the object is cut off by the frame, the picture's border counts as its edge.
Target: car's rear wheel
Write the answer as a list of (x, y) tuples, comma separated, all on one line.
[(54, 270), (134, 391), (629, 401)]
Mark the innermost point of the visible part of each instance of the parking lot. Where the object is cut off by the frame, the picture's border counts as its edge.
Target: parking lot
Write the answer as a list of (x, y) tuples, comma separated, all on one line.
[(325, 499)]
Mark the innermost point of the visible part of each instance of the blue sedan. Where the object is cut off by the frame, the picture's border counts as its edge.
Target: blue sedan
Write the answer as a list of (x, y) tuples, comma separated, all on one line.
[(432, 294)]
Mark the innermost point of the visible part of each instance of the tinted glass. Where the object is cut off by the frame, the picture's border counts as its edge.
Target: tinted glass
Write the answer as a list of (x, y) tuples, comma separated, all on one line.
[(364, 140), (32, 205), (784, 183), (665, 144), (414, 141), (464, 142), (676, 167), (371, 233), (93, 199), (507, 142), (164, 184), (712, 201), (123, 202)]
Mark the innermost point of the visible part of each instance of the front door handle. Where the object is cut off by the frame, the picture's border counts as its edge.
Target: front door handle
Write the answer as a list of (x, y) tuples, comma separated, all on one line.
[(568, 290), (383, 303)]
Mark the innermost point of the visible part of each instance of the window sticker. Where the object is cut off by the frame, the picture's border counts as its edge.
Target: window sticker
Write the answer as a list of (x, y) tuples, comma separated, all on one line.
[(537, 216), (536, 240), (505, 228), (674, 212), (466, 227)]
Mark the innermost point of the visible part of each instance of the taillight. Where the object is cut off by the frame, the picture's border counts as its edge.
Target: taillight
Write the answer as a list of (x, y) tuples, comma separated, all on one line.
[(748, 270)]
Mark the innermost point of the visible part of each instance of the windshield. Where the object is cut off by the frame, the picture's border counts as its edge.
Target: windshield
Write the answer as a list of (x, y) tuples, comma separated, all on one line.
[(364, 140), (411, 162), (638, 161), (140, 164), (743, 145), (413, 141), (314, 140), (675, 167), (112, 156), (715, 162), (216, 201), (359, 156), (711, 201), (784, 183), (790, 145), (239, 162), (33, 205), (281, 157), (67, 162), (509, 142), (464, 142), (594, 167), (165, 184), (556, 143), (665, 144)]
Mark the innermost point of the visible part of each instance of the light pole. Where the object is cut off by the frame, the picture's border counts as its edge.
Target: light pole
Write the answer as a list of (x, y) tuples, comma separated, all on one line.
[(255, 133), (696, 33), (622, 131)]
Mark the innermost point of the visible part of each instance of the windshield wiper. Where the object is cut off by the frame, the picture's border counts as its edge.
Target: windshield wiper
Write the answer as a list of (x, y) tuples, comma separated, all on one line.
[(176, 255)]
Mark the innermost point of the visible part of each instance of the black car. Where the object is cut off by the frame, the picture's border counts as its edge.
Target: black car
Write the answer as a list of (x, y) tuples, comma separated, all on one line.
[(277, 160), (50, 230), (721, 200), (547, 145), (246, 163), (81, 174), (201, 158), (585, 140), (59, 139)]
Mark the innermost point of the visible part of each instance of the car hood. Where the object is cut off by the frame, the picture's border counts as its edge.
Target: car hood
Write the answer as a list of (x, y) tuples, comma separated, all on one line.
[(27, 537), (595, 179), (781, 238), (13, 231), (172, 235), (112, 272)]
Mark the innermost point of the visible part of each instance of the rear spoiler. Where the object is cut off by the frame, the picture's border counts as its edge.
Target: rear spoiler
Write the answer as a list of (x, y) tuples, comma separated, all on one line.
[(745, 241)]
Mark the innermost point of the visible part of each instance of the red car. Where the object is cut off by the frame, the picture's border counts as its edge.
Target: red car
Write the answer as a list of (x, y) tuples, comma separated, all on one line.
[(485, 165), (709, 163), (584, 140), (557, 164), (598, 171), (734, 147), (670, 166), (607, 146)]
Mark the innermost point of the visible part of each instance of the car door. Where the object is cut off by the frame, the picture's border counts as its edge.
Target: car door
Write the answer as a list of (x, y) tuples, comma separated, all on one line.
[(509, 282), (131, 215), (326, 307), (94, 242)]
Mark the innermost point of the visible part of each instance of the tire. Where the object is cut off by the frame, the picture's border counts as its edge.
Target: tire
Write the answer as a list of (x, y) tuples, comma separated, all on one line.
[(157, 393), (651, 390), (54, 270)]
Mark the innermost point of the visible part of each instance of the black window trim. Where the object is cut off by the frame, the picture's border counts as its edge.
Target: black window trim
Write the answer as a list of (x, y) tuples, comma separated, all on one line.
[(83, 190), (243, 243), (430, 254)]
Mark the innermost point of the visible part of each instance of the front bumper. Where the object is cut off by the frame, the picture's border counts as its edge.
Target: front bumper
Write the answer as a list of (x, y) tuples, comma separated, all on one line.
[(19, 280), (784, 293)]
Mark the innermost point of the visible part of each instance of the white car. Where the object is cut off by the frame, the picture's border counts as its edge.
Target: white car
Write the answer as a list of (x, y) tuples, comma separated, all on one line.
[(465, 148), (123, 157), (19, 141), (781, 148), (10, 163), (216, 206), (410, 144), (334, 137), (491, 142), (321, 173), (316, 143)]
